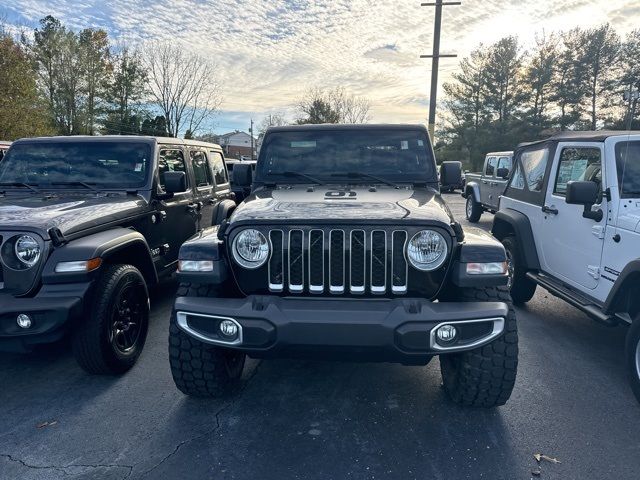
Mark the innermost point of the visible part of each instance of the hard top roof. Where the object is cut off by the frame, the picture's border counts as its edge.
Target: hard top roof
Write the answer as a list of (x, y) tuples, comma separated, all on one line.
[(124, 138), (506, 153), (346, 126), (582, 136)]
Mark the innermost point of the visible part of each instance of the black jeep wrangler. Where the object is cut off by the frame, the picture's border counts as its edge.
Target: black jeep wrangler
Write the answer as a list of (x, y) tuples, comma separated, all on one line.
[(87, 226), (345, 250)]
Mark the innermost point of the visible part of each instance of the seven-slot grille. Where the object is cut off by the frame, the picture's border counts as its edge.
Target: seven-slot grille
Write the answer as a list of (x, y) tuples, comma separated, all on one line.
[(337, 261)]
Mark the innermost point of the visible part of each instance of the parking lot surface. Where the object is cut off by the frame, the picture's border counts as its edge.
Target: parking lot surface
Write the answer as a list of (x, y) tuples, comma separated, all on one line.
[(328, 420)]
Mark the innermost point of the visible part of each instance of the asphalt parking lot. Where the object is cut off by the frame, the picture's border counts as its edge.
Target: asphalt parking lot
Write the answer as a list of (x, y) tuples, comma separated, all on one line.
[(328, 420)]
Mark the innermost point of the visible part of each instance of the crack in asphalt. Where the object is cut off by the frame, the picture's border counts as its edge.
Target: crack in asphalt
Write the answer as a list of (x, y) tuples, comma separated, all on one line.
[(63, 469), (204, 434)]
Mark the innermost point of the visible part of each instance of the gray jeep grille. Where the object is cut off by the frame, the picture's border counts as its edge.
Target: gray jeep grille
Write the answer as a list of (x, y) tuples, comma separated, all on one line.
[(323, 260)]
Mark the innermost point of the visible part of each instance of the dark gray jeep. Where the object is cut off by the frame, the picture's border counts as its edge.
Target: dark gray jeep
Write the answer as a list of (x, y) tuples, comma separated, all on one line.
[(345, 250), (87, 226)]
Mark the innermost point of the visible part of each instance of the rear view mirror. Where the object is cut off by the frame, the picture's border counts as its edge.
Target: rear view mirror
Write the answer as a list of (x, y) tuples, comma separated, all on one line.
[(503, 173), (242, 175), (584, 193), (175, 182)]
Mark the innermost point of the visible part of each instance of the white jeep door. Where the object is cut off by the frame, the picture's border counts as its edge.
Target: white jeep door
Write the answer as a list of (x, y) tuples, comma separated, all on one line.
[(571, 245)]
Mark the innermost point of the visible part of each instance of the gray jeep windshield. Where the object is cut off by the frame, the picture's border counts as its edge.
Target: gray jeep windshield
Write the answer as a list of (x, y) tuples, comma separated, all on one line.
[(390, 154), (110, 164), (628, 166)]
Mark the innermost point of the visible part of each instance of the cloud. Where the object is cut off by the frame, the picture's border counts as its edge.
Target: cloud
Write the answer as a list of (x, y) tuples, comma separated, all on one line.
[(269, 53)]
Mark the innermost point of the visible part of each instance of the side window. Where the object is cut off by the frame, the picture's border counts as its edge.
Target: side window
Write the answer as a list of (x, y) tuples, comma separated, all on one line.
[(217, 165), (628, 167), (517, 181), (505, 162), (578, 164), (171, 160), (201, 170), (534, 163), (491, 166)]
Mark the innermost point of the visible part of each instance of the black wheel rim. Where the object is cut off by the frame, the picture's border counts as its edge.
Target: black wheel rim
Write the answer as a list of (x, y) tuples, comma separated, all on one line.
[(127, 315)]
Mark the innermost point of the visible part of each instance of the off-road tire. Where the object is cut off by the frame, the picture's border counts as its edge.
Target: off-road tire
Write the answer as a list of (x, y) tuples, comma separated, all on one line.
[(632, 356), (483, 377), (200, 369), (90, 340), (522, 289), (473, 210)]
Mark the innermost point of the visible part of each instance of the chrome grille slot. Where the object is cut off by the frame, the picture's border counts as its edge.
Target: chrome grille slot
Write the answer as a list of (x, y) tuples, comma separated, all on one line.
[(358, 263), (399, 264), (336, 261), (276, 262), (378, 261), (315, 253), (296, 260)]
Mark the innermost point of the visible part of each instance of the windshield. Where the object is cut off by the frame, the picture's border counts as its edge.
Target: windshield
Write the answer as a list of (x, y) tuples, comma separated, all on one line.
[(390, 154), (628, 166), (110, 164)]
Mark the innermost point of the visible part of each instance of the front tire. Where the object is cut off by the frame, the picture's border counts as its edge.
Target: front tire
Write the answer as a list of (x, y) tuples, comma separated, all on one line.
[(485, 376), (522, 289), (111, 336), (200, 369), (632, 356), (473, 209)]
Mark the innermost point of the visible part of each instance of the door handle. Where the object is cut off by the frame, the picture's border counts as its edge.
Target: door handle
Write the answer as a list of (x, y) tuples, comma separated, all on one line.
[(211, 201), (194, 207), (552, 211)]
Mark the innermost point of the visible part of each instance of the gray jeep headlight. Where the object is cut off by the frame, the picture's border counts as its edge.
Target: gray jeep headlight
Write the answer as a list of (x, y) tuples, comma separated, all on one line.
[(250, 248), (427, 250), (27, 250)]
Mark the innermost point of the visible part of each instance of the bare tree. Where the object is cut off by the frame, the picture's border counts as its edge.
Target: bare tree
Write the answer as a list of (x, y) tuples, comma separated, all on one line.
[(182, 85), (333, 106)]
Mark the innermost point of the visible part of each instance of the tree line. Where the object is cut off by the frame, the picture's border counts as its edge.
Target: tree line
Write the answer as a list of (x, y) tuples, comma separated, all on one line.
[(59, 81), (501, 95)]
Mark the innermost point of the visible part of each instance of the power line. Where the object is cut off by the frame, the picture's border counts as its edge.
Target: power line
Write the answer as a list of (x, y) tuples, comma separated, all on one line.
[(435, 60)]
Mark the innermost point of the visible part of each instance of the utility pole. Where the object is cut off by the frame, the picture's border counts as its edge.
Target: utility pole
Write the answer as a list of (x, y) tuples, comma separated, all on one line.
[(435, 60), (251, 133)]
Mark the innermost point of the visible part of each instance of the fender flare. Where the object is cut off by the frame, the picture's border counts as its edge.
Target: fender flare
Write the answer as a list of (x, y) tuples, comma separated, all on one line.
[(224, 209), (511, 222), (116, 243), (624, 295), (474, 189)]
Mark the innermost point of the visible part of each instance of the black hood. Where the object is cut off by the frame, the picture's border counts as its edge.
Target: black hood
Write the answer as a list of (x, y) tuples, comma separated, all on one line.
[(339, 204), (69, 214)]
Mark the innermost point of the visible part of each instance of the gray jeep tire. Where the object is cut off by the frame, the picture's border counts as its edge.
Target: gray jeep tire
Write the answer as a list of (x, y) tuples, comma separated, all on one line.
[(473, 210), (200, 369), (485, 376)]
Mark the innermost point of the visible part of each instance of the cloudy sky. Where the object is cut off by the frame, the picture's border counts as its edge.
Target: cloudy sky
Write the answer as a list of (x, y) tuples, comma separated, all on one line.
[(269, 52)]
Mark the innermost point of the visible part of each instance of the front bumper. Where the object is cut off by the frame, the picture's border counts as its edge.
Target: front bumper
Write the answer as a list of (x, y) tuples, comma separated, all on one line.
[(397, 330), (50, 311)]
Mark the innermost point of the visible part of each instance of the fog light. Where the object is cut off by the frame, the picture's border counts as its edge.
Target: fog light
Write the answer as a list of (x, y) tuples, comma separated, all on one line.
[(446, 334), (228, 328), (24, 321)]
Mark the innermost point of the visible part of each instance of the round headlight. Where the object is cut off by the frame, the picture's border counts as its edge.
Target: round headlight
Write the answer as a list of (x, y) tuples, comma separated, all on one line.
[(250, 248), (27, 250), (427, 250)]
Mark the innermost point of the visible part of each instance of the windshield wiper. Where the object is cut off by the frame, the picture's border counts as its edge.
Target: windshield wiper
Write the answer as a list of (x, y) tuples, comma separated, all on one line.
[(19, 184), (301, 175), (82, 184), (366, 175)]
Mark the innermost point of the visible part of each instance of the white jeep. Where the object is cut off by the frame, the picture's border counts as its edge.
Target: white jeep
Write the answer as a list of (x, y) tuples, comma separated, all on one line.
[(570, 222)]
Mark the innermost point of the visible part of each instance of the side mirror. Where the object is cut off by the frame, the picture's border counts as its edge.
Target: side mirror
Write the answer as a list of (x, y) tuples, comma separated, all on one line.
[(584, 193), (242, 175), (503, 173), (450, 173), (175, 182)]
